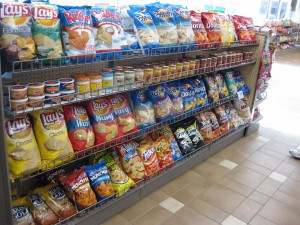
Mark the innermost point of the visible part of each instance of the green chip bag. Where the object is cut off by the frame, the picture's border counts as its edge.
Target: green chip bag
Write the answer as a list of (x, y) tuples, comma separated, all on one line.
[(230, 82)]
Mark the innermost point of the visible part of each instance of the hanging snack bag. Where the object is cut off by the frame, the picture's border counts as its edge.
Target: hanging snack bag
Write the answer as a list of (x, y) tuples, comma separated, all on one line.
[(79, 127), (185, 144), (227, 29), (120, 181), (123, 112), (205, 127), (100, 180), (194, 134), (212, 26), (42, 213), (147, 152), (131, 161), (230, 82), (108, 30), (144, 28), (46, 30), (78, 183), (243, 109), (15, 31), (223, 91), (214, 124), (200, 92), (211, 88), (77, 31), (198, 28), (222, 119), (241, 28), (163, 153), (20, 212), (56, 199), (166, 132), (143, 108), (184, 26), (173, 89), (235, 121), (52, 135), (163, 18), (103, 120), (188, 95), (22, 149), (163, 106)]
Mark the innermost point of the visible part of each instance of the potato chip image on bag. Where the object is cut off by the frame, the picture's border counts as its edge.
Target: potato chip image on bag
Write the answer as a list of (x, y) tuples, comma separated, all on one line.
[(52, 136), (211, 88), (173, 89), (22, 149), (46, 30), (230, 82), (80, 131), (223, 91), (15, 34)]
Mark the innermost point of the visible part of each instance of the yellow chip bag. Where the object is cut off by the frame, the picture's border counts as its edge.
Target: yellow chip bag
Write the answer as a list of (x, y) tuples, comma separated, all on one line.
[(22, 149), (20, 211), (52, 136), (227, 29)]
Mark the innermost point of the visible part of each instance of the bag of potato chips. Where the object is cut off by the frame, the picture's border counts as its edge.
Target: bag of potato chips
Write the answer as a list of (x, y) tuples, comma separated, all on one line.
[(227, 30), (52, 136), (20, 212), (46, 30), (223, 91), (22, 149), (241, 29), (15, 31)]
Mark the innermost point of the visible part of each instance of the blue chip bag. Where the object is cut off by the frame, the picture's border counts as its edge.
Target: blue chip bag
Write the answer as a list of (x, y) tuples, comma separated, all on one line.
[(173, 89), (240, 82), (144, 28), (100, 181), (143, 109), (163, 106), (188, 95), (200, 92)]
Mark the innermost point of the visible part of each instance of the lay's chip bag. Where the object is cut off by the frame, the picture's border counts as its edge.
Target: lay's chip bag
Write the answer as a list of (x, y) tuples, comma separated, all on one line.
[(52, 136), (22, 149), (46, 30), (15, 31), (227, 29)]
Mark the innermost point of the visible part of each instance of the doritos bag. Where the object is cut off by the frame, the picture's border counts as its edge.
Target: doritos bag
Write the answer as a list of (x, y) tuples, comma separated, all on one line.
[(241, 29), (198, 28), (22, 149), (77, 31), (200, 92), (46, 30), (188, 95), (15, 30), (212, 26), (173, 89), (103, 120), (250, 25), (123, 112)]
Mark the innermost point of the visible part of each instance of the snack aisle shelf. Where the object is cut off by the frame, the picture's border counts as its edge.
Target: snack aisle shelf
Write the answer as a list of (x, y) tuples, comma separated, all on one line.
[(96, 215)]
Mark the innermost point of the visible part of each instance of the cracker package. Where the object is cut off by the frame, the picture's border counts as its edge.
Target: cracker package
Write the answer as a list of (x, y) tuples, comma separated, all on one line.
[(211, 88), (184, 26), (120, 181), (123, 112), (144, 28), (194, 134), (15, 31), (79, 127), (184, 142), (147, 152), (46, 30), (77, 31), (163, 106), (243, 109), (163, 153), (200, 92), (241, 28), (227, 29), (100, 180), (205, 127), (131, 161), (214, 124), (173, 89), (143, 108), (222, 119), (103, 120), (78, 183), (188, 95), (223, 91), (22, 149), (230, 82), (20, 212), (52, 135), (163, 18), (212, 26), (198, 28)]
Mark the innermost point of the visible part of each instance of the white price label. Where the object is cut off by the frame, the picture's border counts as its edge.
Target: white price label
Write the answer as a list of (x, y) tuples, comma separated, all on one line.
[(240, 94)]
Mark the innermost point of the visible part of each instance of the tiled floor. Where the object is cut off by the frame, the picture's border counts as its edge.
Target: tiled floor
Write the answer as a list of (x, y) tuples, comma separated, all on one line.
[(254, 181)]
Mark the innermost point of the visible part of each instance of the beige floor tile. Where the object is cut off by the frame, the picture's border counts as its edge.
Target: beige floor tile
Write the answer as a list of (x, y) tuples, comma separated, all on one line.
[(246, 176), (291, 187), (292, 160), (280, 213), (190, 216), (231, 220), (208, 210), (246, 210), (255, 143), (216, 173), (173, 220), (247, 150), (217, 158), (272, 153), (264, 160), (185, 195), (190, 175), (203, 183), (204, 167), (259, 197), (222, 198), (269, 186), (257, 168), (285, 168), (278, 147), (264, 139), (287, 199), (236, 186), (116, 220), (295, 175), (278, 177), (174, 186), (292, 141), (238, 157), (259, 220), (158, 196), (155, 216), (171, 204), (228, 164)]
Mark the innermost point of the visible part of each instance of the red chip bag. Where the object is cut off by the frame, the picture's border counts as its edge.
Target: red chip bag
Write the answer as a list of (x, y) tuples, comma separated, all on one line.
[(250, 25), (215, 125), (241, 29), (103, 120), (222, 119), (79, 127), (212, 26), (163, 153), (123, 112), (198, 28)]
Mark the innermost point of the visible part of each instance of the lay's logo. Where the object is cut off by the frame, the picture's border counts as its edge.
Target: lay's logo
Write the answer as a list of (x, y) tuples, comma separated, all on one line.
[(117, 99), (163, 14), (51, 118), (101, 105), (16, 126), (77, 16), (14, 10), (79, 111), (44, 13)]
